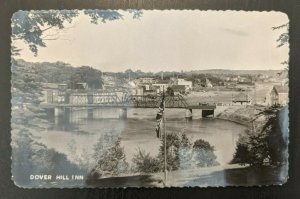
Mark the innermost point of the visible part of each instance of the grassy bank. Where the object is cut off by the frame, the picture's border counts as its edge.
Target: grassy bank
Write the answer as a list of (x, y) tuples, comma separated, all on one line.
[(243, 115)]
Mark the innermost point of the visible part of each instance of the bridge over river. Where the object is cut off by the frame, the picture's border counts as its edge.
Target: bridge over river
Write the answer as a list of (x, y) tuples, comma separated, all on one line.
[(62, 100)]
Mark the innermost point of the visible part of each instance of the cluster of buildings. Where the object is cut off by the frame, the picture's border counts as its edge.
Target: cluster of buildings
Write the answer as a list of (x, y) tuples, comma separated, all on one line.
[(152, 86), (238, 79)]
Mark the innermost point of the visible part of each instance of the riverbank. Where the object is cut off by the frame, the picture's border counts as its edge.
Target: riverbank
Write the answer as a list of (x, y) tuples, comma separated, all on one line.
[(218, 176), (243, 115)]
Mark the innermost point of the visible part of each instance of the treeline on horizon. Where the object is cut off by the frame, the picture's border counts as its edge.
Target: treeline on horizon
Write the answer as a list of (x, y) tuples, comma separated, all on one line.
[(60, 72)]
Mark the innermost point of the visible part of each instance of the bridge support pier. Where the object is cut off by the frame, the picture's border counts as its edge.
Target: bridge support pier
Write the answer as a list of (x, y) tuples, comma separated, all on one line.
[(90, 113), (62, 115), (123, 113), (59, 111), (188, 115)]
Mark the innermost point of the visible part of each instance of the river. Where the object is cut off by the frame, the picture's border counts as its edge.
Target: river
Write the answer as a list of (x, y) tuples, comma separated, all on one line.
[(77, 135)]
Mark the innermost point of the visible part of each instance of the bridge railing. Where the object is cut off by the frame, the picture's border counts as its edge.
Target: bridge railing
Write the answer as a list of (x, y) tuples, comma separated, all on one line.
[(153, 101), (112, 99)]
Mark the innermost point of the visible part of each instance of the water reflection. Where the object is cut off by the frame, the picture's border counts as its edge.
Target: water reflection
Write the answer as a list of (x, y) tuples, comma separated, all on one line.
[(138, 130), (249, 176)]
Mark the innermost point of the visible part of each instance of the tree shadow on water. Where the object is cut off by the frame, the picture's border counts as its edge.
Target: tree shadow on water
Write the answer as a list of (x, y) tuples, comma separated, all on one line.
[(249, 176), (124, 181)]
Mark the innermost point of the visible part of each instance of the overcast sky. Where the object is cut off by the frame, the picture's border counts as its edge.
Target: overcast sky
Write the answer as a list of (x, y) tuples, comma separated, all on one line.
[(170, 41)]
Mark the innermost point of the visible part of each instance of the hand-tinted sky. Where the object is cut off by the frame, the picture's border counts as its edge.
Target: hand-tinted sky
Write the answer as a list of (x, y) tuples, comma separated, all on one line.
[(170, 41)]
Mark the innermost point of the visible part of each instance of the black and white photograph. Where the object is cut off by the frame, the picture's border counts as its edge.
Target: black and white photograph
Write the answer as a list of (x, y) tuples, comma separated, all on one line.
[(149, 98)]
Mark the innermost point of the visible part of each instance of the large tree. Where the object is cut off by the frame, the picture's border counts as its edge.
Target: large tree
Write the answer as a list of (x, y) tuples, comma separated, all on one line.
[(262, 144), (283, 38), (36, 27)]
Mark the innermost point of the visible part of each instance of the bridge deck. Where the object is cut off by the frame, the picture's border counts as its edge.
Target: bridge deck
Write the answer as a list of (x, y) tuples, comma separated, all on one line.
[(206, 107)]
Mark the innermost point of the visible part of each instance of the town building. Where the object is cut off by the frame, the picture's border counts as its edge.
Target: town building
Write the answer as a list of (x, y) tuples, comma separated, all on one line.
[(279, 95), (148, 80), (241, 98), (139, 90), (188, 84), (208, 84), (53, 92), (81, 86), (162, 85)]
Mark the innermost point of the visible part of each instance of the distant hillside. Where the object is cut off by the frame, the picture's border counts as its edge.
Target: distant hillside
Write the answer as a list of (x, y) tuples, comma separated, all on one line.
[(56, 72), (238, 72), (60, 72)]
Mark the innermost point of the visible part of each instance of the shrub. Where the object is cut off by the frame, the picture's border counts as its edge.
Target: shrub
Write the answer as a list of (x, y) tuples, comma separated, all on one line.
[(111, 163), (144, 163), (182, 154), (203, 154), (172, 146)]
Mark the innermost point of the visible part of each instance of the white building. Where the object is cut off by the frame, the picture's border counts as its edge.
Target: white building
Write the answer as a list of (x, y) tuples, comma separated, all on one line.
[(161, 85), (188, 84), (148, 80), (279, 95), (208, 84)]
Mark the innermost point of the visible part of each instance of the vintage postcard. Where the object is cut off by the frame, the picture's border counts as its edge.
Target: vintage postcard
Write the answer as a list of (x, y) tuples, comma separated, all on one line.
[(149, 98)]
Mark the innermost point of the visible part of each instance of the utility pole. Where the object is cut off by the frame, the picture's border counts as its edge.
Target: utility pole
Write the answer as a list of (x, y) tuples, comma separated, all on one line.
[(165, 148), (254, 93), (165, 138)]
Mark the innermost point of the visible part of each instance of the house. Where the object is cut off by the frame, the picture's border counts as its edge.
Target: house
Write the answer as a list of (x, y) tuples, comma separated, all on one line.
[(81, 85), (208, 84), (150, 92), (146, 86), (145, 90), (279, 95), (241, 99), (148, 80), (54, 92), (62, 86), (162, 85), (139, 90), (188, 84)]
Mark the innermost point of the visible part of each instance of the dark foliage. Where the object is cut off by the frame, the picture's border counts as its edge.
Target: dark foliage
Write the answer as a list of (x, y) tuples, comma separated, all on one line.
[(32, 158), (202, 144), (87, 75), (170, 91), (182, 154), (172, 147), (204, 154), (30, 26), (264, 145), (57, 72), (144, 163), (111, 163)]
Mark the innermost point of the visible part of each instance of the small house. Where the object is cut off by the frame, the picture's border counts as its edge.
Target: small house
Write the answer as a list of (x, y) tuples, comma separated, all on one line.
[(241, 98), (279, 95)]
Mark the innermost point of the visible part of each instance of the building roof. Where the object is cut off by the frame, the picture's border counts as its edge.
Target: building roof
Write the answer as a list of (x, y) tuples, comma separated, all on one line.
[(50, 85), (178, 87), (151, 78), (281, 89), (149, 91), (241, 97), (162, 82)]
